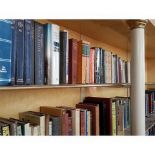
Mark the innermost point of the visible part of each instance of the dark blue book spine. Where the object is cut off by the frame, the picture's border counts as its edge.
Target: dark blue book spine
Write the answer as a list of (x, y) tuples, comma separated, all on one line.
[(5, 51), (13, 54), (29, 52), (39, 54), (20, 52)]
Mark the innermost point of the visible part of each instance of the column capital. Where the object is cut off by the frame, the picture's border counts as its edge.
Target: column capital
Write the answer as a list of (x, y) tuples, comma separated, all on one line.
[(137, 23)]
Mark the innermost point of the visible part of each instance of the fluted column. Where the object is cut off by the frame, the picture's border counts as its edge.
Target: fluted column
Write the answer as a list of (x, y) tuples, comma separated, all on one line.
[(137, 28)]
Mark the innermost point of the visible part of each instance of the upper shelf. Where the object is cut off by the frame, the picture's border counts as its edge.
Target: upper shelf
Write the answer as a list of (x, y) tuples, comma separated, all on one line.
[(112, 32), (20, 87)]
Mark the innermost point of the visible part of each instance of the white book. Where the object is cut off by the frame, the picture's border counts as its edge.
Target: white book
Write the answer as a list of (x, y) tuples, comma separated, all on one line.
[(50, 128), (52, 53), (76, 122)]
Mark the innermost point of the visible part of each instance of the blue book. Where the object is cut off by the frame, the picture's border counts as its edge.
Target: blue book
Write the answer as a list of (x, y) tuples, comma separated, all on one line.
[(13, 55), (20, 52), (29, 52), (39, 54), (5, 52)]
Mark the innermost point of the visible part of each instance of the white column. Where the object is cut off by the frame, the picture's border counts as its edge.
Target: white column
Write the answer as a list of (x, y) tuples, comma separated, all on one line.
[(137, 76)]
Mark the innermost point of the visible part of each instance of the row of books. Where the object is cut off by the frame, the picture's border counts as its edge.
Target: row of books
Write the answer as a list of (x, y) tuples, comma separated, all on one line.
[(95, 116), (35, 53), (149, 101)]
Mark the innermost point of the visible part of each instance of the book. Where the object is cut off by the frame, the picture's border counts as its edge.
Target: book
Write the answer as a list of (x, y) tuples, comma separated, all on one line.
[(97, 66), (5, 51), (64, 53), (91, 68), (94, 114), (13, 52), (83, 61), (39, 54), (52, 52), (73, 58), (19, 52), (83, 122), (29, 52)]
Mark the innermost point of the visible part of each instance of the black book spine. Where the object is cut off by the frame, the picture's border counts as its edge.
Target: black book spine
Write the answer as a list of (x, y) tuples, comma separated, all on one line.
[(63, 45), (20, 52), (39, 54)]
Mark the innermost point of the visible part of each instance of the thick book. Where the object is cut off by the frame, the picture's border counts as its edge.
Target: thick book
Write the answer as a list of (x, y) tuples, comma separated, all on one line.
[(73, 58), (35, 118), (52, 53), (64, 57), (56, 125), (105, 113), (56, 112), (39, 54), (5, 51), (83, 123), (94, 114), (19, 52), (29, 52), (83, 61)]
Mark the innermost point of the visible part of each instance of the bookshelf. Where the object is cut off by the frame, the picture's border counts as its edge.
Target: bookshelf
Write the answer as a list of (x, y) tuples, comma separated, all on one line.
[(113, 35)]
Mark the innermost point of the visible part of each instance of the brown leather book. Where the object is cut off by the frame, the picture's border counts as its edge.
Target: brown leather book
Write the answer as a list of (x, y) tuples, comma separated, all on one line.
[(105, 113), (73, 52), (79, 69), (82, 122), (57, 112), (95, 116)]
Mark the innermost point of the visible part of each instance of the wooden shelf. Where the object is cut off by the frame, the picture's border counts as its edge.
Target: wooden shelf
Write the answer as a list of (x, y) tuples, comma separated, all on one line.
[(62, 86)]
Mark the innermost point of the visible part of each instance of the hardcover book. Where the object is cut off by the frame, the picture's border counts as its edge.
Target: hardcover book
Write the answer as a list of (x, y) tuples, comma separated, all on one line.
[(52, 51), (29, 52), (19, 52), (5, 51), (39, 54)]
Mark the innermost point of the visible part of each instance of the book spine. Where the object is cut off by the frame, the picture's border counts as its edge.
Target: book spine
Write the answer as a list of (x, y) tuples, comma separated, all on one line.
[(29, 52), (91, 73), (73, 51), (97, 65), (113, 118), (55, 54), (20, 52), (82, 123), (13, 54), (63, 57), (79, 64), (87, 62), (39, 54), (5, 131), (84, 62), (6, 51)]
